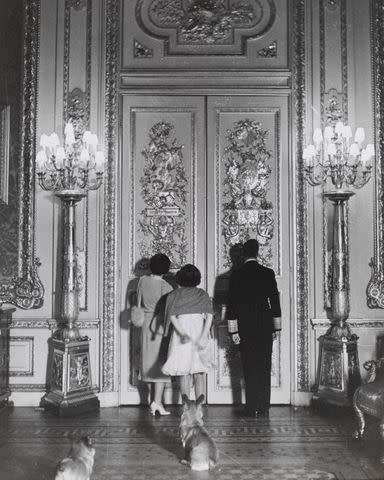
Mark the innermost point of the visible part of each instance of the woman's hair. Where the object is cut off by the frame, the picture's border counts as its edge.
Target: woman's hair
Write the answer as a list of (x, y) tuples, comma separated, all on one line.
[(188, 276), (159, 264)]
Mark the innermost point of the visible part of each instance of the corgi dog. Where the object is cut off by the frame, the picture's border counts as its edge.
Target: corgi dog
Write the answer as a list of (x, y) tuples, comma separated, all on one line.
[(199, 448), (78, 464)]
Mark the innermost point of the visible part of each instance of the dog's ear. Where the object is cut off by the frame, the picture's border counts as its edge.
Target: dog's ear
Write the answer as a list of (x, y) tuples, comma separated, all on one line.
[(185, 399), (200, 400), (87, 441)]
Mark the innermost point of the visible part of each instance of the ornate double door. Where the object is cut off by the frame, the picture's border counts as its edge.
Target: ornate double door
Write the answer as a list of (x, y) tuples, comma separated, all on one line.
[(199, 175)]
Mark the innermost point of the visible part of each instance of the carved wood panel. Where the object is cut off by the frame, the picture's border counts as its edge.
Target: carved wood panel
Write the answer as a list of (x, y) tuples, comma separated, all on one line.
[(247, 160), (195, 209), (167, 34)]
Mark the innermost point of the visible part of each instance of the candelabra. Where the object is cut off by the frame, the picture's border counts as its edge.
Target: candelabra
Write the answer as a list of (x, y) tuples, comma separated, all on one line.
[(348, 164), (69, 171)]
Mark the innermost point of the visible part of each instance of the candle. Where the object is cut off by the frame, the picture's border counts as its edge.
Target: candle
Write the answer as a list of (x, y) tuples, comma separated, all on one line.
[(99, 162), (41, 159), (359, 135), (60, 157)]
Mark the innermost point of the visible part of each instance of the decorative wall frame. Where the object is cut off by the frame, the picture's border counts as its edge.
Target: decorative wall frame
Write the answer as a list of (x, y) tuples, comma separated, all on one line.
[(5, 126), (375, 287), (25, 290), (301, 260), (112, 53)]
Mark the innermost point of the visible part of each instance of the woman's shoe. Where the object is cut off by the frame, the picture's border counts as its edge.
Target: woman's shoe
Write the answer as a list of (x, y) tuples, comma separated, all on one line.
[(158, 408)]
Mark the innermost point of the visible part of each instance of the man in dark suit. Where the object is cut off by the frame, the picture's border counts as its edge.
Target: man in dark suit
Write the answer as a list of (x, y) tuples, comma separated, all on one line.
[(253, 314)]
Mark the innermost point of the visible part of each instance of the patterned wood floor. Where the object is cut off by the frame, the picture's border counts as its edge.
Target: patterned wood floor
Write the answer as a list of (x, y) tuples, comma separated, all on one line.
[(297, 444)]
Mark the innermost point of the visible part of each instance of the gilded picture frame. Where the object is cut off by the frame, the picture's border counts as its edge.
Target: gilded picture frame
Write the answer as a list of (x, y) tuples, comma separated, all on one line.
[(24, 289), (4, 151)]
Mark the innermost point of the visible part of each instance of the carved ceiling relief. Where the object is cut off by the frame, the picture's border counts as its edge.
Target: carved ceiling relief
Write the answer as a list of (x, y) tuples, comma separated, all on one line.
[(246, 211), (164, 183), (205, 22)]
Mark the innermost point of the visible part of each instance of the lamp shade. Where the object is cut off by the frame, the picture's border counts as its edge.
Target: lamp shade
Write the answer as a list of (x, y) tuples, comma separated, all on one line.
[(359, 135)]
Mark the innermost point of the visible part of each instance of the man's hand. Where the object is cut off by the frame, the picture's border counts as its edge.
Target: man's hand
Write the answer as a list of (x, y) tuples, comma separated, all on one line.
[(236, 338)]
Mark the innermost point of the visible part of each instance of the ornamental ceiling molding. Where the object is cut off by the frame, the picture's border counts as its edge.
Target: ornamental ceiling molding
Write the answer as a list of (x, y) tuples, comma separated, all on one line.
[(25, 289), (301, 261), (110, 275), (205, 27), (375, 287)]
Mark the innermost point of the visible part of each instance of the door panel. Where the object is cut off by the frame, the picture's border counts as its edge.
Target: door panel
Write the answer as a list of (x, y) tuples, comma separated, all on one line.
[(163, 201), (247, 160), (193, 208)]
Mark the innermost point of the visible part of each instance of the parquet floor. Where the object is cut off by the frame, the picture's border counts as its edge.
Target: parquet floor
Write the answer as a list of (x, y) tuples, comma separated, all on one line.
[(294, 444)]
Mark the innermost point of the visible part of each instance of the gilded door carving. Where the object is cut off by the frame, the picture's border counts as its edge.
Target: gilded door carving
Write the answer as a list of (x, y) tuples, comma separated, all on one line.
[(199, 176), (247, 166)]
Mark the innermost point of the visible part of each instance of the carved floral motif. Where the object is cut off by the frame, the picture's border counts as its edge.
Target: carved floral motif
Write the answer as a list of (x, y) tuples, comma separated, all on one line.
[(269, 51), (57, 371), (246, 211), (164, 192), (79, 373), (141, 51), (331, 373)]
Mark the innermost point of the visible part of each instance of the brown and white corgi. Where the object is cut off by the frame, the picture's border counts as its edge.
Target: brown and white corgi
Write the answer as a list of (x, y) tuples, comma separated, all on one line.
[(78, 464), (200, 451)]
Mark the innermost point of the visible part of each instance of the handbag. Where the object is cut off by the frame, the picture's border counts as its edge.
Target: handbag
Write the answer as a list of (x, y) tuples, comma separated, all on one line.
[(137, 312), (137, 316)]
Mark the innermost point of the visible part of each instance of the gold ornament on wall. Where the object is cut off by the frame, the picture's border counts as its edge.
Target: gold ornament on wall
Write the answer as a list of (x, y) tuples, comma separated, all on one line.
[(246, 211), (163, 182)]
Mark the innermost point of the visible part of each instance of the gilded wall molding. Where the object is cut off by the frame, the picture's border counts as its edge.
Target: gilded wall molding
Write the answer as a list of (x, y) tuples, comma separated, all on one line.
[(334, 108), (28, 387), (358, 323), (77, 108), (30, 341), (112, 47), (26, 290), (375, 287), (50, 323), (301, 233)]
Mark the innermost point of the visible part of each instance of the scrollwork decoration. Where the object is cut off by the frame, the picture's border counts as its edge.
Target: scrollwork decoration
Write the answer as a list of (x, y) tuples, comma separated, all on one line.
[(375, 287), (269, 51), (246, 211), (164, 193), (112, 45), (25, 289), (205, 21), (141, 51)]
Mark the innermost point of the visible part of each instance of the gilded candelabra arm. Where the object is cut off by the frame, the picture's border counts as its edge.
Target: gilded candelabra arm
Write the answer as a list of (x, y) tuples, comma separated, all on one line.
[(363, 178), (49, 181), (96, 183), (82, 179), (316, 178), (350, 174)]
